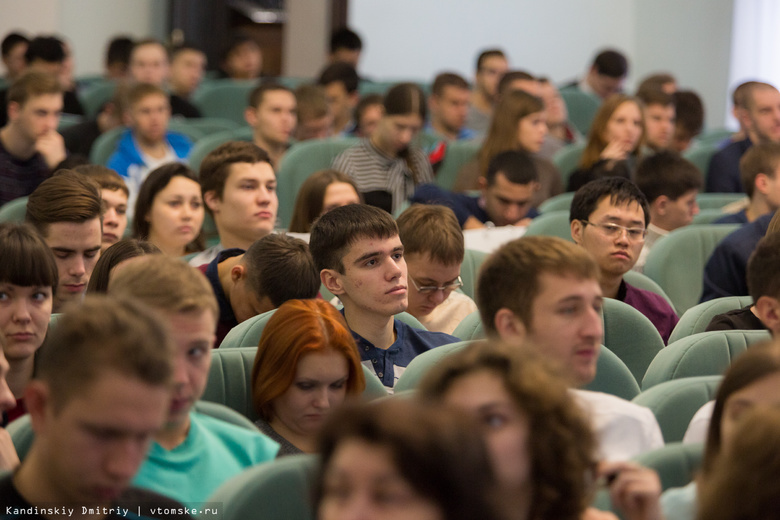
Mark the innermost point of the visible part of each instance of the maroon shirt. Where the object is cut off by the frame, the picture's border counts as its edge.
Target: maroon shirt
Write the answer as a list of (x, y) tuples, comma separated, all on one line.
[(652, 305)]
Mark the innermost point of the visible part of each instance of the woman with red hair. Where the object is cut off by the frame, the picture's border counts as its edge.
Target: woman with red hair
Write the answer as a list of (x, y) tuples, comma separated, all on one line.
[(307, 363)]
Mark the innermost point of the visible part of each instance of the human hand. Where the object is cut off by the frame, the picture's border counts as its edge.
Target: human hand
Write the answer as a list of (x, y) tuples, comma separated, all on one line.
[(8, 457), (634, 489), (615, 151), (51, 146)]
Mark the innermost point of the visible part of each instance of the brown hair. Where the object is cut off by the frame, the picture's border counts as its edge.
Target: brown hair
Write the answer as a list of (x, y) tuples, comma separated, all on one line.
[(104, 333), (437, 451), (523, 261), (667, 173), (596, 140), (434, 230), (561, 444), (759, 361), (759, 158), (743, 484), (655, 97), (258, 93), (66, 196), (281, 268), (215, 167), (311, 102), (311, 195), (27, 260), (489, 53), (763, 268), (689, 114), (339, 228), (502, 136), (106, 178), (32, 84), (165, 283), (297, 328), (117, 253), (448, 79), (654, 82), (140, 91)]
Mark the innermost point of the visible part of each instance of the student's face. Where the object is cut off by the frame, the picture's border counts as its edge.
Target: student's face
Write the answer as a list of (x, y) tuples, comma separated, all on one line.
[(193, 335), (427, 272), (614, 251), (249, 202), (319, 385), (531, 131), (490, 74), (374, 276), (625, 126), (149, 117), (764, 392), (566, 324), (95, 443), (362, 481), (369, 120), (451, 108), (659, 126), (763, 116), (339, 194), (274, 120), (76, 248), (24, 318), (605, 86), (176, 214), (553, 103), (507, 203), (680, 212), (340, 102), (484, 395), (149, 64), (245, 61), (396, 133), (38, 117), (187, 70), (314, 128), (349, 56), (7, 399), (114, 216), (14, 61)]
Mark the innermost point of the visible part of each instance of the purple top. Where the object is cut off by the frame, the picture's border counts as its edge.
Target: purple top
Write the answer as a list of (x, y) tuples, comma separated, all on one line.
[(652, 305)]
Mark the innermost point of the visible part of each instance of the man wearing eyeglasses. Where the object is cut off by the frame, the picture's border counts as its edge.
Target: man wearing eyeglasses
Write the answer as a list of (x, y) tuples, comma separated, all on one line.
[(609, 218), (434, 250)]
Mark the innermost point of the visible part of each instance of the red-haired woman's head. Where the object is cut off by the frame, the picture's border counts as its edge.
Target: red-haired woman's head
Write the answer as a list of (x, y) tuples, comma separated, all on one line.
[(306, 363)]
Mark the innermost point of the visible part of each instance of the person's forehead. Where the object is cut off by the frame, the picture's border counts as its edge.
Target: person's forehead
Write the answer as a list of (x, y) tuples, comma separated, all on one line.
[(606, 206), (557, 286), (188, 54), (494, 62), (276, 98), (67, 234), (363, 245), (53, 101), (149, 51), (504, 187), (454, 91), (152, 99), (763, 96), (260, 171)]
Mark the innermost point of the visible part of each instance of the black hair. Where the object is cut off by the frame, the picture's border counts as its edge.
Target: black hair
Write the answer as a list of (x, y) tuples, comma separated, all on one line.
[(620, 191), (517, 166), (345, 38), (45, 48), (342, 73), (611, 63), (12, 40)]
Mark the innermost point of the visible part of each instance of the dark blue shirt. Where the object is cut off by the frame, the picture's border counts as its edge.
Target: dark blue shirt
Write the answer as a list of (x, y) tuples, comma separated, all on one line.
[(725, 272), (733, 218), (388, 364), (227, 319), (463, 205), (723, 173)]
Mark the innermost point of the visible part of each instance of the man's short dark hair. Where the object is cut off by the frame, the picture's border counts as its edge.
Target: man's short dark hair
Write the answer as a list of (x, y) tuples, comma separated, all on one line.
[(518, 167), (763, 269), (448, 79), (489, 53), (215, 167), (655, 97), (12, 40), (281, 268), (667, 173), (66, 196), (689, 116), (345, 38), (611, 63), (654, 82), (513, 75), (343, 73), (45, 48), (760, 158), (119, 50), (257, 94), (620, 191), (184, 46), (336, 230)]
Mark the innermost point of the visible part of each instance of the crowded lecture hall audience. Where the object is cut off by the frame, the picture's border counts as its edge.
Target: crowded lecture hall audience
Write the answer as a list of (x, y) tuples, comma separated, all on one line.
[(185, 299)]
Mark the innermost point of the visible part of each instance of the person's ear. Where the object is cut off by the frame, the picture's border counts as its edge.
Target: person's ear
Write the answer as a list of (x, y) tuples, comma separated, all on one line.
[(13, 110), (250, 115), (661, 204), (768, 311), (577, 227), (211, 200), (482, 182), (762, 183), (237, 272), (333, 281), (37, 400), (509, 327)]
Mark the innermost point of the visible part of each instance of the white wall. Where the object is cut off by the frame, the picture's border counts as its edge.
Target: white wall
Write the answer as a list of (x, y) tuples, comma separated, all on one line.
[(87, 24), (416, 39)]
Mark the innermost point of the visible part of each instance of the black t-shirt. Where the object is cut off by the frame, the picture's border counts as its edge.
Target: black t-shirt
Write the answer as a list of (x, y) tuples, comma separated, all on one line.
[(134, 504), (738, 319)]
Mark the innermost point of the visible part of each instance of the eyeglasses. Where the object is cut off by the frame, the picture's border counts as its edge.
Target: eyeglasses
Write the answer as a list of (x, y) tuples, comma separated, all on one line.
[(428, 289), (610, 230)]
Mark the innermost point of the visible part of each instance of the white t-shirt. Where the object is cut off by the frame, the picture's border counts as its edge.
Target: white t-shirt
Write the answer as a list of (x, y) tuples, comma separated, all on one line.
[(700, 423), (449, 313)]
